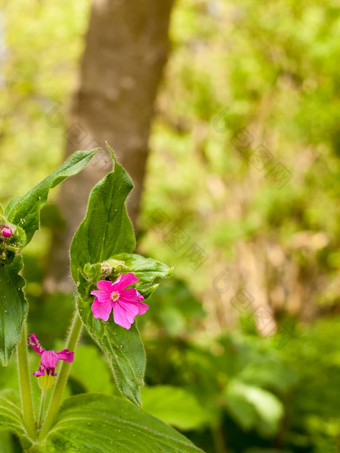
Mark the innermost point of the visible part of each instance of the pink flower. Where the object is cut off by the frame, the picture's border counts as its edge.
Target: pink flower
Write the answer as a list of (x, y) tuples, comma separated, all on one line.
[(49, 359), (125, 303), (6, 231)]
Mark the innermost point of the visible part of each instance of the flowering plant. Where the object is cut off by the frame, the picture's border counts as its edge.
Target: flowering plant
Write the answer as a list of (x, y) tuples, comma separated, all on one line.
[(112, 285)]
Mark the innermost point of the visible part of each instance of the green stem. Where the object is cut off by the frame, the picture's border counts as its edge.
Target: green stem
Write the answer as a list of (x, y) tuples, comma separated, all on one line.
[(219, 440), (41, 407), (25, 384), (61, 381)]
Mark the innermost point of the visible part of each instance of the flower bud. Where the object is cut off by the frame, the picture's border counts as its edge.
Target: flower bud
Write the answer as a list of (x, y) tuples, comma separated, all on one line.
[(111, 268), (6, 231)]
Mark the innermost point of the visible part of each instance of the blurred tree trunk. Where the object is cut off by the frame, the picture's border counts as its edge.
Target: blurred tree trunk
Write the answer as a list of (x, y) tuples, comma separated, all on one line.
[(125, 52)]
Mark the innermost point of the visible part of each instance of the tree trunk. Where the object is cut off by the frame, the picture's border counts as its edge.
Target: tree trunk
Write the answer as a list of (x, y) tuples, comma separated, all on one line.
[(126, 50)]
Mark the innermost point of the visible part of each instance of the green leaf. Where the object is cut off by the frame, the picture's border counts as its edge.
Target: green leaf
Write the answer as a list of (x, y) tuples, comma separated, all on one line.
[(13, 307), (25, 211), (254, 407), (10, 416), (123, 349), (106, 229), (94, 423), (269, 373), (241, 410), (6, 442), (147, 270), (175, 406)]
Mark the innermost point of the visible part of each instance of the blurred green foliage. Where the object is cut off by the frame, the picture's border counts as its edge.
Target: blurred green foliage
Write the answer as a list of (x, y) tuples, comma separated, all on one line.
[(269, 68), (237, 389)]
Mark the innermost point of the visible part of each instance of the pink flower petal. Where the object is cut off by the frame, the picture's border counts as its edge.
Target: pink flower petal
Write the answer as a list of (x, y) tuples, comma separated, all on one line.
[(131, 310), (131, 294), (102, 296), (126, 307), (40, 372), (120, 316), (104, 285), (49, 359), (66, 355), (35, 343), (124, 280), (101, 310), (142, 308)]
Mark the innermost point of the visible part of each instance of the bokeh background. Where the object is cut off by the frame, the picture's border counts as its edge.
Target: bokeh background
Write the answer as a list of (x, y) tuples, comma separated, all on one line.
[(237, 171)]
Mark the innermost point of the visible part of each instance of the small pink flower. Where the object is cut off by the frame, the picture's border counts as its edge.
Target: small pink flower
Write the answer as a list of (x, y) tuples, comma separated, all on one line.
[(49, 359), (6, 231), (125, 303)]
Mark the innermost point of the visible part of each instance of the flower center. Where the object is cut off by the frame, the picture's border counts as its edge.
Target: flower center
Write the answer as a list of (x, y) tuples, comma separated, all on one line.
[(114, 296)]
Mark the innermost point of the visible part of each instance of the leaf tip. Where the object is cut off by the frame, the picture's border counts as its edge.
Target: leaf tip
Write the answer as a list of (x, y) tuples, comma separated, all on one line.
[(111, 152)]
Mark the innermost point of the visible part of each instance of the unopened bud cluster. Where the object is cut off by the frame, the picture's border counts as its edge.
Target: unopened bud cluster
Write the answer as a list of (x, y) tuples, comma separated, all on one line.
[(6, 231), (12, 239)]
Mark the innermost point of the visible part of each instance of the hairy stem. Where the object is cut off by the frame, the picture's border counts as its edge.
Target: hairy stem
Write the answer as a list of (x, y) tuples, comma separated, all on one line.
[(41, 407), (25, 384), (62, 378)]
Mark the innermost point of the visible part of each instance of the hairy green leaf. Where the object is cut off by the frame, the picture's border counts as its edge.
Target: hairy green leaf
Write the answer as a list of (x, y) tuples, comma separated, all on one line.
[(10, 416), (147, 270), (123, 349), (106, 229), (25, 211), (13, 307), (94, 423)]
